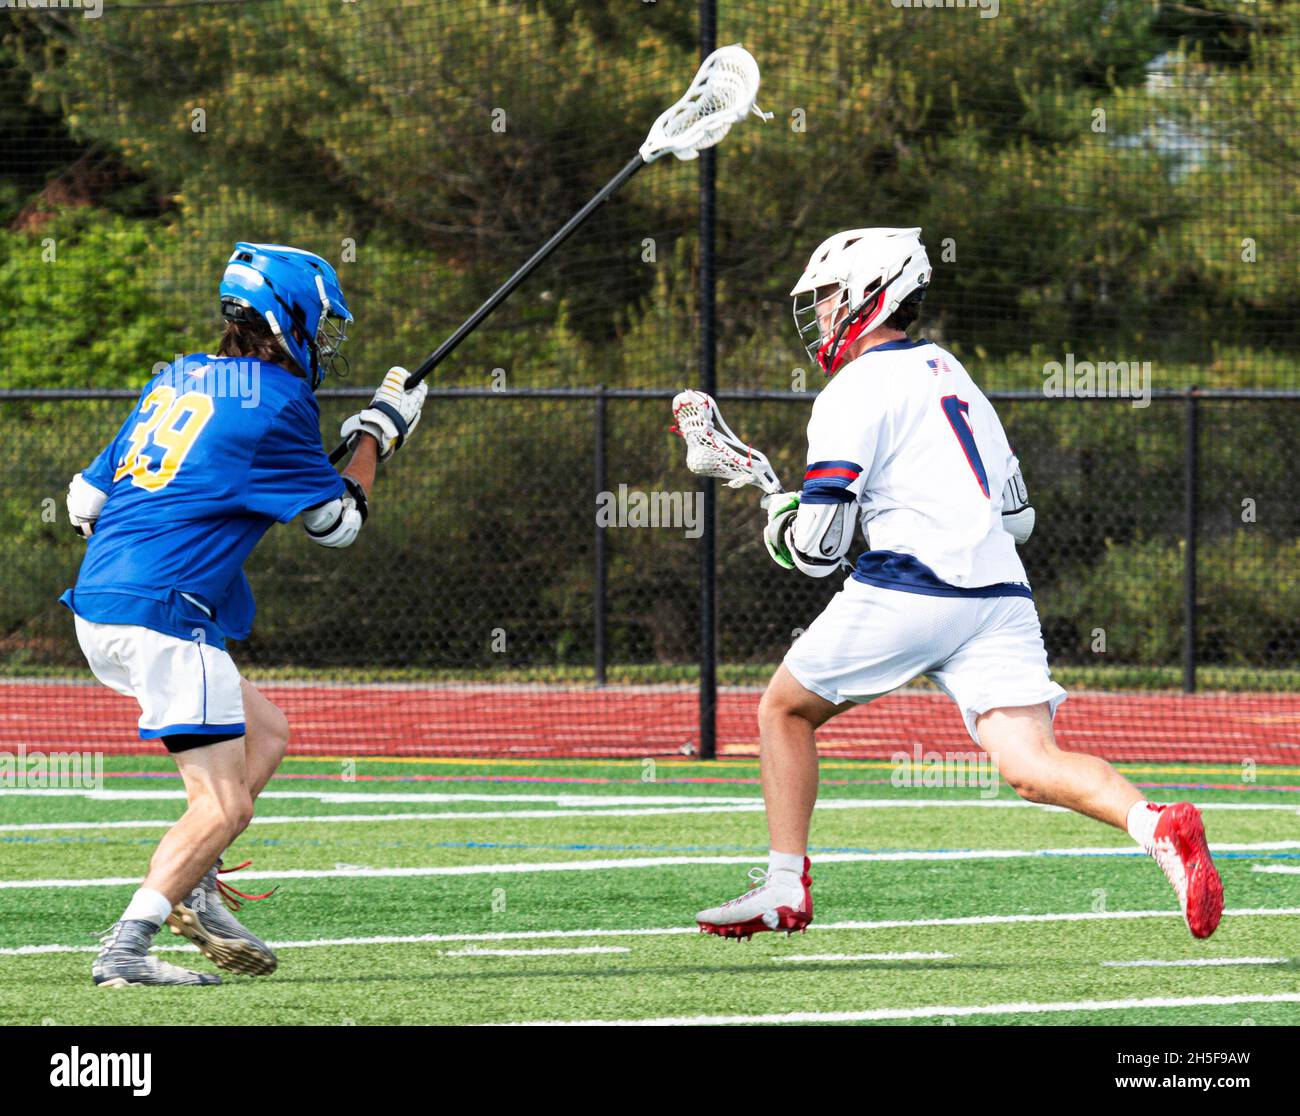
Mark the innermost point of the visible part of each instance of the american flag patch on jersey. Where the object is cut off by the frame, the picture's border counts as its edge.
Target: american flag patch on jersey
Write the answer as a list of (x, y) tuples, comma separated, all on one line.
[(937, 365)]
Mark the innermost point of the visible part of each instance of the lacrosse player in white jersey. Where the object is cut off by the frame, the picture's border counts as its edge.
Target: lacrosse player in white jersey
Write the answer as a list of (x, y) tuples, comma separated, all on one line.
[(903, 441)]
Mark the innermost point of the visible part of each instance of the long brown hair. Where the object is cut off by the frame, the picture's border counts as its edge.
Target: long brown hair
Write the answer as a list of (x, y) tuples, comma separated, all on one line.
[(253, 339)]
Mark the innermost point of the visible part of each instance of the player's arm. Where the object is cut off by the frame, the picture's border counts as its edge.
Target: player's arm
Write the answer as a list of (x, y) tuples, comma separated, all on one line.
[(85, 502), (1017, 513), (812, 530), (812, 537), (88, 490), (373, 434)]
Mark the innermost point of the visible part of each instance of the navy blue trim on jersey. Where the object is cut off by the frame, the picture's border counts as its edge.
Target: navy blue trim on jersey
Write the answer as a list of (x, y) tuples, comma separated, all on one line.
[(825, 492), (887, 569), (905, 343), (827, 482)]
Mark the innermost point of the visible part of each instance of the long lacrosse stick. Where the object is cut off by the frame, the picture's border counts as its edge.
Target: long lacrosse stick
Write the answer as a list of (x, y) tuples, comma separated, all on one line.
[(713, 450), (722, 94)]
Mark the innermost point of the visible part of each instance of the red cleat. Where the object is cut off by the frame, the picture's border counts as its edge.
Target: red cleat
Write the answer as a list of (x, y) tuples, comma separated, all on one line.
[(769, 905), (1184, 857)]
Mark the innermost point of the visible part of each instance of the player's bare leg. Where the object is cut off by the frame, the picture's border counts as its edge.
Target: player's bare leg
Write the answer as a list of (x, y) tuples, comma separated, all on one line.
[(266, 738), (1022, 744), (219, 809), (788, 718), (205, 915)]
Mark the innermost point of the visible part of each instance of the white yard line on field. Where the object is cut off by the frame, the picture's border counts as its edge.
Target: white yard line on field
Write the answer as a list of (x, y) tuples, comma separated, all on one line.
[(938, 1012), (608, 864), (1280, 869), (445, 815), (570, 802), (563, 812), (669, 931), (1194, 963), (907, 956), (535, 952)]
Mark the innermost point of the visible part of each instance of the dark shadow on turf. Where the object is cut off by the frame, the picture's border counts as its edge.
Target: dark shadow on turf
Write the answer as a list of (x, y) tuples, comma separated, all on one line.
[(515, 972)]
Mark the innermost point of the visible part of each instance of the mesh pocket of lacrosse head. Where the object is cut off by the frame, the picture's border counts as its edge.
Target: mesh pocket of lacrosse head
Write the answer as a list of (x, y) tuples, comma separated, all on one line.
[(721, 94), (706, 454)]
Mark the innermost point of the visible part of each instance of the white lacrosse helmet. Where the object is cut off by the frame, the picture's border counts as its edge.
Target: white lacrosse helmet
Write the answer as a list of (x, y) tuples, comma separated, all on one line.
[(869, 271)]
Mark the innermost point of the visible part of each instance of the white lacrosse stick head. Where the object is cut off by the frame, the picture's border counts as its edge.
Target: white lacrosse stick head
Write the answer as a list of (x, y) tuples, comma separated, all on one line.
[(712, 450), (721, 95)]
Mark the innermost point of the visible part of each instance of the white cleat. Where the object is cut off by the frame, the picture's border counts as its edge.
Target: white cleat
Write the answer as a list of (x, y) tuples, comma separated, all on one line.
[(771, 904)]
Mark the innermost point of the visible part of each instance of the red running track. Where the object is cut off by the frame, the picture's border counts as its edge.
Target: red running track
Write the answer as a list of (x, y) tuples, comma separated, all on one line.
[(629, 722)]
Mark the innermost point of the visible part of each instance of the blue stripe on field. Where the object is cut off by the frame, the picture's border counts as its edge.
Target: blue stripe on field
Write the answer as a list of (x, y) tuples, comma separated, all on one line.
[(757, 851)]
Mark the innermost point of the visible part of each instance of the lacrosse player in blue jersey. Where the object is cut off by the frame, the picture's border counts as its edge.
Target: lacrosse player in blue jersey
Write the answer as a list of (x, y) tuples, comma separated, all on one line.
[(218, 448)]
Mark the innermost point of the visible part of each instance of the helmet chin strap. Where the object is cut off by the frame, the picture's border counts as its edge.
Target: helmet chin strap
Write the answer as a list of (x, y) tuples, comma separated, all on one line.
[(834, 352)]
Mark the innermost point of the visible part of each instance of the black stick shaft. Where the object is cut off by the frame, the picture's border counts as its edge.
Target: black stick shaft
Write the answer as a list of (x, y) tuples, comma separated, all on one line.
[(504, 291)]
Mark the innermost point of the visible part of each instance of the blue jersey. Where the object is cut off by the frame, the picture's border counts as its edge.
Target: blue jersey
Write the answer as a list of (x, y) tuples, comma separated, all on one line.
[(216, 450)]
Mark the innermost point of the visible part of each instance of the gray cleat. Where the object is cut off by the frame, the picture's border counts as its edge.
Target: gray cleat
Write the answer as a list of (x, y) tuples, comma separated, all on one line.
[(204, 919), (125, 960)]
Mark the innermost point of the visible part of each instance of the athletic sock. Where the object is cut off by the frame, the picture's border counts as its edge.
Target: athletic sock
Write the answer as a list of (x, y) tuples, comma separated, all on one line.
[(1141, 824), (152, 906), (779, 863)]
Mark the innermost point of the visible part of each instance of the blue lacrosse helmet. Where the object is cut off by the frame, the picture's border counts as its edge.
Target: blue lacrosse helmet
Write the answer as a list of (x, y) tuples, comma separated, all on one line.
[(297, 294)]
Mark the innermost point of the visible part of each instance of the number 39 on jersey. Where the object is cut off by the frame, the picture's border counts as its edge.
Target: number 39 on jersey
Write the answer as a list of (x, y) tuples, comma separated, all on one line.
[(168, 423)]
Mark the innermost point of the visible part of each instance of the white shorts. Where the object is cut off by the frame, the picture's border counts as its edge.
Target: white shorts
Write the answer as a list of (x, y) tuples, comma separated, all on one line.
[(183, 686), (983, 652)]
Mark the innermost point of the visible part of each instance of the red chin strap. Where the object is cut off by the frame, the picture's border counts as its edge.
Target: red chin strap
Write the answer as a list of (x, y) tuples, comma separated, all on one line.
[(854, 331)]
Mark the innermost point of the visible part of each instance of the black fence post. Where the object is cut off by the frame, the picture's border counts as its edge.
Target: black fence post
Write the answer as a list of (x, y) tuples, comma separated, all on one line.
[(709, 382), (1190, 469), (600, 552)]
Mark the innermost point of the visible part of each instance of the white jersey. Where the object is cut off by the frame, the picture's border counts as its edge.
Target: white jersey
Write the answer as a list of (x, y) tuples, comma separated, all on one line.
[(904, 431)]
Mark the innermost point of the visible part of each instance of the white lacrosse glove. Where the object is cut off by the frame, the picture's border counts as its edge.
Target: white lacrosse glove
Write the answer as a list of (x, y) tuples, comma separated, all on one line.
[(85, 502), (781, 507), (391, 416), (1017, 514)]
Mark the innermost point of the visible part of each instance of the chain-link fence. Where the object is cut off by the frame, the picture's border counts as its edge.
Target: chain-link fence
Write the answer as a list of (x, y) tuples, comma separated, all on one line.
[(1108, 195), (558, 610)]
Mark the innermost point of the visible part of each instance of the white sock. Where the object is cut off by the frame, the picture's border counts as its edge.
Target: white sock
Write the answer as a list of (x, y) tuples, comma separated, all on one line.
[(152, 906), (785, 862), (1141, 824)]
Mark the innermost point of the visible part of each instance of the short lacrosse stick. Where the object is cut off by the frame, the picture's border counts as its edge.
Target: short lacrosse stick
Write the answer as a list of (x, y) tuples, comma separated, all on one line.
[(712, 450)]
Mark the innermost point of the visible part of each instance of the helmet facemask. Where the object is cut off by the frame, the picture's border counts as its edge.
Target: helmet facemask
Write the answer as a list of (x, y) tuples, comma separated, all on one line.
[(826, 324), (814, 315), (330, 336), (331, 332)]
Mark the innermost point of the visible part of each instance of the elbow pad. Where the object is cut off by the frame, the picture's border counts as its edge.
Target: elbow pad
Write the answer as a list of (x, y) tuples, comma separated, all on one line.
[(820, 537), (85, 502), (1017, 515), (337, 522)]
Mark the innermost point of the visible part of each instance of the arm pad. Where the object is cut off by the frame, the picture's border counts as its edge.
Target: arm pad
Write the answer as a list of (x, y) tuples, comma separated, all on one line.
[(85, 502), (820, 536), (1017, 514), (337, 522)]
